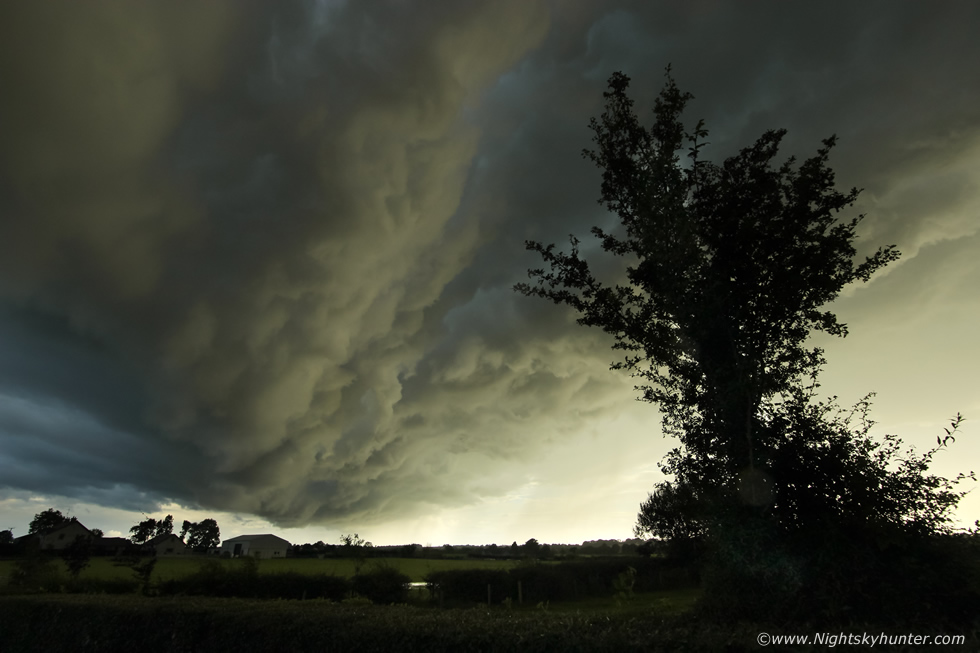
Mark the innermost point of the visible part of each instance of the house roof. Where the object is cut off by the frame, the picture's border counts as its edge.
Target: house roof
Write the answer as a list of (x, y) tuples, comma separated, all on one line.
[(54, 529), (159, 539), (267, 539)]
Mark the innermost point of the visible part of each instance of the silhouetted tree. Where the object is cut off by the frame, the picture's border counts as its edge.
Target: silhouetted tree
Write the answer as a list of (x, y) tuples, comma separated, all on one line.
[(673, 514), (353, 546), (728, 268), (77, 555), (352, 541), (150, 528), (164, 526), (46, 520), (201, 536), (97, 532), (733, 264), (7, 546), (531, 548)]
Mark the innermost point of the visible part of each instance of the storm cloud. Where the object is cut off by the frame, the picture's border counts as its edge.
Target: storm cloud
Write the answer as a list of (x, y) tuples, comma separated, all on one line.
[(258, 257)]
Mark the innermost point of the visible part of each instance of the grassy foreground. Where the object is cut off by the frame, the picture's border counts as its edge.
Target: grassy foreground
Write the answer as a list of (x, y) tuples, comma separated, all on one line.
[(110, 623), (57, 622), (176, 617)]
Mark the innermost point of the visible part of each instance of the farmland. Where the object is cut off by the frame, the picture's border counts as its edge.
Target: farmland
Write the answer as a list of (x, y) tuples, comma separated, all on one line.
[(210, 604), (79, 613), (178, 567)]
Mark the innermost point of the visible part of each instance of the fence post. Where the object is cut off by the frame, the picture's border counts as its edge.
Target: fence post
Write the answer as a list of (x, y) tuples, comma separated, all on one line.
[(520, 593), (488, 595)]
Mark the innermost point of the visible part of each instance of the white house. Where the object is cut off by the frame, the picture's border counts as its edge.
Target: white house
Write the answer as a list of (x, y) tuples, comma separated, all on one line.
[(257, 546)]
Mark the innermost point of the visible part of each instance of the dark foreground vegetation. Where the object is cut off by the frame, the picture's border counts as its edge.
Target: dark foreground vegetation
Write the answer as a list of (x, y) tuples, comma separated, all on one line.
[(113, 623), (616, 604), (204, 624)]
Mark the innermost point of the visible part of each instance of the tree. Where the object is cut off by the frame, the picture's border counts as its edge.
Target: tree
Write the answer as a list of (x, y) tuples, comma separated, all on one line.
[(77, 554), (201, 536), (673, 513), (732, 266), (7, 546), (354, 547), (164, 526), (149, 528), (531, 548), (97, 532), (728, 269), (142, 531), (353, 541), (46, 520)]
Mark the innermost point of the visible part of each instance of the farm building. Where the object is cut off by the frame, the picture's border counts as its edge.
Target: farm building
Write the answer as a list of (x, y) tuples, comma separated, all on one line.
[(167, 545), (257, 546), (59, 537)]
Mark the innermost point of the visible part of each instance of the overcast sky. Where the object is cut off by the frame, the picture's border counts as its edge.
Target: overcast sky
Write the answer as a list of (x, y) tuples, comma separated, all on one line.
[(257, 258)]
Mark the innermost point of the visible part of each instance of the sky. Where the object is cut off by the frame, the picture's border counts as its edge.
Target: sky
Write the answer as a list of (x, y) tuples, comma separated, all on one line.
[(257, 258)]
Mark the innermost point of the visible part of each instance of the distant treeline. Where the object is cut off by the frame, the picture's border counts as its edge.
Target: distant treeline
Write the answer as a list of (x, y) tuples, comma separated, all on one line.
[(530, 549)]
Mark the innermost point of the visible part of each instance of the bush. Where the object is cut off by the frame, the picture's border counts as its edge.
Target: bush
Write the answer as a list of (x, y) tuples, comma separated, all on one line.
[(77, 555), (382, 584), (566, 581), (470, 585), (35, 571), (858, 530), (546, 583)]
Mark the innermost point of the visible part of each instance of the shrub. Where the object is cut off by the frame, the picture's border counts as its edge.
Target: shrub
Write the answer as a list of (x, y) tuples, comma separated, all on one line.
[(382, 584), (77, 555), (546, 583), (35, 571), (470, 585)]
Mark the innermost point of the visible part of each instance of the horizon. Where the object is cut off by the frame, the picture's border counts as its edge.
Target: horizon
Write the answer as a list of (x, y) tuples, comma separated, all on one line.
[(334, 541)]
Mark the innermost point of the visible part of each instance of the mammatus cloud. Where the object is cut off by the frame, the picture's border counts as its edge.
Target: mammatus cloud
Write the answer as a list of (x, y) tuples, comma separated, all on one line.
[(258, 258)]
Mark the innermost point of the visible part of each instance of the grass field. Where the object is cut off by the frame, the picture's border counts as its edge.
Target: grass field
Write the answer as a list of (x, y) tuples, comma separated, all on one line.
[(210, 625), (170, 568), (94, 622)]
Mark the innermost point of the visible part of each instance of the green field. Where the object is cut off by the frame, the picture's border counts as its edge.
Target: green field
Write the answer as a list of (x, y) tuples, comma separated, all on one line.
[(170, 568)]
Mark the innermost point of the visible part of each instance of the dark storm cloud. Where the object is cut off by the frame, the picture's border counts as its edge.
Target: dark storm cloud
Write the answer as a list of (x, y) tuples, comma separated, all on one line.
[(261, 253)]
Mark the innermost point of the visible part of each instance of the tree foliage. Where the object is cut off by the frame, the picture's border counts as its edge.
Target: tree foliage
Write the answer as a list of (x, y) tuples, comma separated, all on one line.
[(353, 541), (354, 546), (201, 536), (77, 555), (46, 520), (729, 269), (149, 528)]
